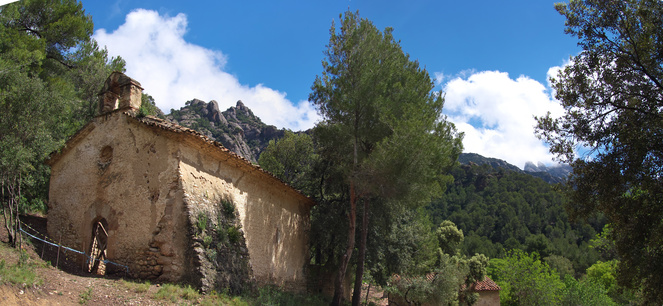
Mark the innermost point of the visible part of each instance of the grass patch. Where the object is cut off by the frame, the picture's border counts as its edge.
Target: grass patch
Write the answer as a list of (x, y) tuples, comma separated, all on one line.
[(214, 298), (201, 222), (173, 293), (271, 295), (85, 296), (22, 273), (138, 287)]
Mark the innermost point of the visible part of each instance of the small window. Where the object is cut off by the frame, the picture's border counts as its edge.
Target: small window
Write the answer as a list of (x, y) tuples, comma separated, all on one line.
[(105, 158), (106, 155)]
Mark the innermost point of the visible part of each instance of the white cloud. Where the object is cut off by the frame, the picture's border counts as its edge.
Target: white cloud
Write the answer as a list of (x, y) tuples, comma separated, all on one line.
[(496, 114), (174, 71)]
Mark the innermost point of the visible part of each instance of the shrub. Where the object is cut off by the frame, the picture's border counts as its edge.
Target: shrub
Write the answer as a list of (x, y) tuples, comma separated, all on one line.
[(207, 241), (228, 209), (201, 222), (233, 234)]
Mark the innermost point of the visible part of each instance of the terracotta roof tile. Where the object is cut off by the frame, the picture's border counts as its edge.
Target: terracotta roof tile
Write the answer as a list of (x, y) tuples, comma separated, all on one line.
[(486, 284)]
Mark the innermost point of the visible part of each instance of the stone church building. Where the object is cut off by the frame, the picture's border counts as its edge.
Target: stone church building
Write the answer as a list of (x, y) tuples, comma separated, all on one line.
[(171, 204)]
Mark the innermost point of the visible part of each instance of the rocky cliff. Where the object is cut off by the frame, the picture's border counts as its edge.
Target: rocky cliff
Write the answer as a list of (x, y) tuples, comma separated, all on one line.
[(553, 174), (237, 128)]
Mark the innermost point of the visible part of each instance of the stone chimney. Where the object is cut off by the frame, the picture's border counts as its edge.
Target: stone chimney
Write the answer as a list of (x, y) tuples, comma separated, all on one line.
[(119, 92)]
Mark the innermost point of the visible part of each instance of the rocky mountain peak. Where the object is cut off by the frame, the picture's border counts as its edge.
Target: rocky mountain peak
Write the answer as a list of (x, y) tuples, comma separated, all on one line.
[(237, 128)]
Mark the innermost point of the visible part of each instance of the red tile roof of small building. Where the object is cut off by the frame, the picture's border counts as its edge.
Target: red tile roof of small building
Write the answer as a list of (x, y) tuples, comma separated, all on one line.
[(486, 284)]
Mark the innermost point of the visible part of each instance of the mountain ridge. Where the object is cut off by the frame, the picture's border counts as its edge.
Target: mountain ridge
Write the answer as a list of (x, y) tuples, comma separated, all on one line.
[(553, 174), (242, 132)]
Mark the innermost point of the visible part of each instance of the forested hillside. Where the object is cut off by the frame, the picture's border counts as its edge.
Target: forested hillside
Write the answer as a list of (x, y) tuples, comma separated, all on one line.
[(500, 209)]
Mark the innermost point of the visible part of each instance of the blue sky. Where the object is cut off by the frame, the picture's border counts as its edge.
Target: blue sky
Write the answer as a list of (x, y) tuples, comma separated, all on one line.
[(492, 58)]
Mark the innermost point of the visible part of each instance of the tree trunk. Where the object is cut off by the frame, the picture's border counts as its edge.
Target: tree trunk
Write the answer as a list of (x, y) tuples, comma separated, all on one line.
[(356, 296), (340, 276)]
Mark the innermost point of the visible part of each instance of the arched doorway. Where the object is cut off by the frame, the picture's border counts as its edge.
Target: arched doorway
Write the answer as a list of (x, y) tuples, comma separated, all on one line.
[(98, 247)]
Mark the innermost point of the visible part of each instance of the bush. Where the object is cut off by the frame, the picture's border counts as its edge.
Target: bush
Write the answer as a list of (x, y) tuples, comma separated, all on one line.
[(525, 279), (233, 234), (584, 292), (201, 222), (207, 241), (228, 209)]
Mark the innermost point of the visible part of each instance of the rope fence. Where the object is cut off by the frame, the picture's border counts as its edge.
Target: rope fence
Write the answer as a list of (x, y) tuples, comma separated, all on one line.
[(88, 258)]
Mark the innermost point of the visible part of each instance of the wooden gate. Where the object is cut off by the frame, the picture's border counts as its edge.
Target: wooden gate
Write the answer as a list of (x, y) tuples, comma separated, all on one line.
[(98, 248)]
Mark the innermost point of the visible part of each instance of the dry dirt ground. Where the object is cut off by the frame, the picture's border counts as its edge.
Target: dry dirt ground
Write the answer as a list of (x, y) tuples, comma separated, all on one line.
[(67, 284)]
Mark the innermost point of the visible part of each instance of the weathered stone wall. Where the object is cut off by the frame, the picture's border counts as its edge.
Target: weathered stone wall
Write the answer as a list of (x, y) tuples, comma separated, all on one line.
[(274, 219), (488, 298), (151, 181), (123, 173)]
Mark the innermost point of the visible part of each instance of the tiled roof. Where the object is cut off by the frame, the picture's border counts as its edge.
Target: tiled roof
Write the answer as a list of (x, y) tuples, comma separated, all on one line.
[(486, 284)]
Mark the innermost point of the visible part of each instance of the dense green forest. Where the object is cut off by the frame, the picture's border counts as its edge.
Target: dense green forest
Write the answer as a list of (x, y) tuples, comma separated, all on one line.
[(501, 209)]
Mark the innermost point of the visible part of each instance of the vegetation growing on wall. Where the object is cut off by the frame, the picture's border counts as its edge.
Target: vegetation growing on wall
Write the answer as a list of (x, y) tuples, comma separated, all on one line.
[(223, 256)]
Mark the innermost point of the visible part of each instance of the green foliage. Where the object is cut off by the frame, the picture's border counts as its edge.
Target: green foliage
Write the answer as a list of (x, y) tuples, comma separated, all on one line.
[(604, 244), (584, 292), (228, 209), (85, 296), (605, 274), (138, 287), (21, 273), (452, 276), (148, 107), (270, 295), (525, 280), (233, 234), (291, 159), (611, 93), (382, 129), (51, 73), (173, 293), (404, 246), (449, 237), (500, 209), (207, 241), (561, 264), (201, 222)]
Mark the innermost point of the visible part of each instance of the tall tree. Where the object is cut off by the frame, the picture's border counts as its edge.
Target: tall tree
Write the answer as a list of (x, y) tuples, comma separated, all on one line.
[(382, 128), (292, 159), (612, 93), (47, 64)]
